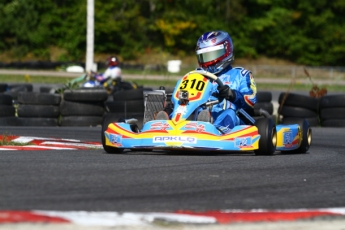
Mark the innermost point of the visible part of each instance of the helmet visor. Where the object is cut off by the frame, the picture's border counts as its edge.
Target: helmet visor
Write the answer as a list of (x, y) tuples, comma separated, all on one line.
[(210, 53)]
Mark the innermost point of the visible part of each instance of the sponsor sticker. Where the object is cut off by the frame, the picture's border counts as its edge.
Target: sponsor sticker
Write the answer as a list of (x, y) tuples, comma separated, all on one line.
[(287, 138), (159, 126), (114, 138), (163, 139), (243, 142), (194, 125)]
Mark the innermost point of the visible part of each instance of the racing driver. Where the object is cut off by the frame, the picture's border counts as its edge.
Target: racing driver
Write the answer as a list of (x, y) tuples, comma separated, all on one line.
[(215, 54)]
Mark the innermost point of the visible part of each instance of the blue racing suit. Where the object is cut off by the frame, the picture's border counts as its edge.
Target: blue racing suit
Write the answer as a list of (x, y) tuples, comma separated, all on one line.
[(243, 86)]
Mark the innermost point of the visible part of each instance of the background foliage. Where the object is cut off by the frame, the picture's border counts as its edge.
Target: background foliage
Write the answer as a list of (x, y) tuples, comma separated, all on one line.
[(309, 32)]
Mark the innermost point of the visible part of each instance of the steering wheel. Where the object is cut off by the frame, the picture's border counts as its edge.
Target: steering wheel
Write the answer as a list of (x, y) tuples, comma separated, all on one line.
[(208, 75)]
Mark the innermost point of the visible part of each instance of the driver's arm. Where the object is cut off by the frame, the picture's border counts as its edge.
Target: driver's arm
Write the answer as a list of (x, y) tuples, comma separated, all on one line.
[(246, 92)]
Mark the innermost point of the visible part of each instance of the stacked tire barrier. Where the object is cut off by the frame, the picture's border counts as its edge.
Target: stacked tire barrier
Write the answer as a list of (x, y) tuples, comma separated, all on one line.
[(14, 89), (3, 87), (38, 109), (332, 110), (263, 101), (7, 110), (126, 104), (262, 108), (86, 107), (297, 105), (83, 107)]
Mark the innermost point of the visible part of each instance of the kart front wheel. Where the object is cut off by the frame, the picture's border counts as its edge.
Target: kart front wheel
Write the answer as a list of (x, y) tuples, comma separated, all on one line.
[(306, 133), (268, 136), (106, 121)]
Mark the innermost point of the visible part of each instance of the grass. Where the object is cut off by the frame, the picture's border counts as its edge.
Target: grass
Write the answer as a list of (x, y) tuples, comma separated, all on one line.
[(34, 79), (5, 139)]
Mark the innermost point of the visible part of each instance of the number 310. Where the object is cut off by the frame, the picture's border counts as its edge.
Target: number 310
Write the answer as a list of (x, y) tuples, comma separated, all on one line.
[(200, 85)]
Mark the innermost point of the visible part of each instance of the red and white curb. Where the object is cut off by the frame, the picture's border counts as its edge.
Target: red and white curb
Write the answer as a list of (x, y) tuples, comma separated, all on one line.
[(39, 143), (184, 217)]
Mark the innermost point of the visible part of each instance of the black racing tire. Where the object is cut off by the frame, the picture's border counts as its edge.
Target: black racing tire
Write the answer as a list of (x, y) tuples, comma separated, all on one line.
[(263, 96), (313, 121), (107, 119), (298, 100), (90, 121), (306, 134), (70, 108), (85, 95), (3, 87), (6, 99), (47, 89), (268, 106), (52, 111), (330, 101), (273, 117), (136, 106), (8, 121), (7, 111), (37, 121), (289, 111), (129, 95), (268, 136), (332, 113), (125, 85), (27, 87), (336, 123), (34, 98), (13, 92)]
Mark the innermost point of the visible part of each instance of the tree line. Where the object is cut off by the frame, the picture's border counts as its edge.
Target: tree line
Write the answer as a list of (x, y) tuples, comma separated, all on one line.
[(309, 32)]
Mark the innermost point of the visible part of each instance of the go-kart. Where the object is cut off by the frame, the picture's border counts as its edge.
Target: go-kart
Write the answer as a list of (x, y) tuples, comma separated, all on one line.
[(94, 80), (182, 131)]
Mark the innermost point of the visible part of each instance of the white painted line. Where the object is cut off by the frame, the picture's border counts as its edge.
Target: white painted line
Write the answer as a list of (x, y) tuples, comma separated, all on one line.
[(6, 149), (48, 147), (71, 144), (25, 139), (124, 219)]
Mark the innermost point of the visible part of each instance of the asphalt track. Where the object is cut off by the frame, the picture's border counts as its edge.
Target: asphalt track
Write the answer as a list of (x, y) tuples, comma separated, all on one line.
[(92, 180)]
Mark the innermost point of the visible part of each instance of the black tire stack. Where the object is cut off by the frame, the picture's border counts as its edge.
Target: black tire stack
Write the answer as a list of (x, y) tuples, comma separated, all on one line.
[(263, 101), (14, 89), (125, 105), (3, 87), (7, 110), (332, 110), (297, 105), (38, 109), (83, 107)]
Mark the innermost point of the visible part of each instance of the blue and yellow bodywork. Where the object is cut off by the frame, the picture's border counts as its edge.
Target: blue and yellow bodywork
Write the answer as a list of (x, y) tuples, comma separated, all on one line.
[(197, 135), (180, 133)]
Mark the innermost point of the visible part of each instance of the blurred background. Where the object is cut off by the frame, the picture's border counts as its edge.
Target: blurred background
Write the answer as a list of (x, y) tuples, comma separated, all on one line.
[(288, 45), (151, 32)]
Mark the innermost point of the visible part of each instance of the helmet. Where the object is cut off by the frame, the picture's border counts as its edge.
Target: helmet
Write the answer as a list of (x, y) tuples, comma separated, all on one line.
[(112, 61), (214, 51)]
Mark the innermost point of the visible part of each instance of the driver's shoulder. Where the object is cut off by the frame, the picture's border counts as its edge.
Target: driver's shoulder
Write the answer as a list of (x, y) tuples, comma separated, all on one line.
[(240, 70)]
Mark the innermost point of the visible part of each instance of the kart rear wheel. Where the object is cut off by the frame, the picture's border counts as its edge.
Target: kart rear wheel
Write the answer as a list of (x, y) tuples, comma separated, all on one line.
[(306, 133), (106, 121), (268, 136)]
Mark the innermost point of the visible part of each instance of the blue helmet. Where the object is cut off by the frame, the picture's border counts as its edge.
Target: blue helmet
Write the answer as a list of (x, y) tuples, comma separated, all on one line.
[(215, 51)]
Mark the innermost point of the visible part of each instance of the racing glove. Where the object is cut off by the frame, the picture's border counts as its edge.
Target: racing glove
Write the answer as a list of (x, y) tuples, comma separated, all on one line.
[(226, 93)]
